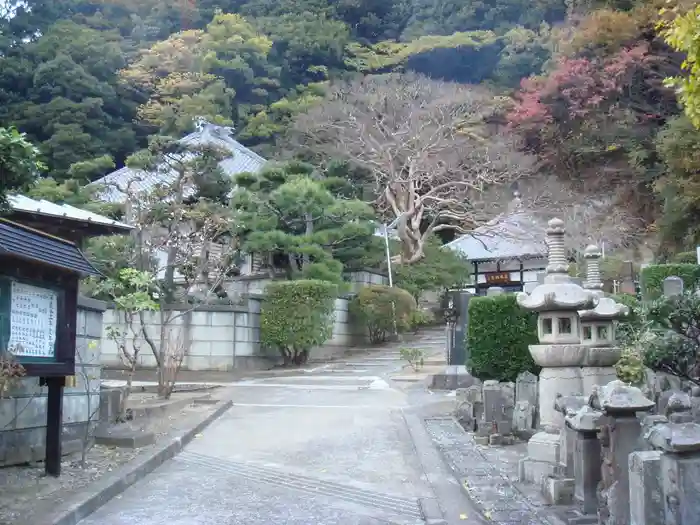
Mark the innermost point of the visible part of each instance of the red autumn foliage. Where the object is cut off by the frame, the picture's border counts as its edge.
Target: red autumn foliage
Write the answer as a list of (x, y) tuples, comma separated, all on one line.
[(580, 86)]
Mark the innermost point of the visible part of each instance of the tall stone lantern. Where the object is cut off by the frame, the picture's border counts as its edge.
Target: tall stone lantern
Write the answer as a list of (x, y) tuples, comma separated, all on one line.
[(560, 353), (598, 327)]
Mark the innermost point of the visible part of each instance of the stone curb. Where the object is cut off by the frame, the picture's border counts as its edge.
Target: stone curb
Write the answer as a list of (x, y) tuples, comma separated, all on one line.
[(103, 490), (449, 501)]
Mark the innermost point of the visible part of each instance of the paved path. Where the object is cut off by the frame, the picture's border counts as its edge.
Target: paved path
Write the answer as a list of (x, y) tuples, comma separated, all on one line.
[(328, 445)]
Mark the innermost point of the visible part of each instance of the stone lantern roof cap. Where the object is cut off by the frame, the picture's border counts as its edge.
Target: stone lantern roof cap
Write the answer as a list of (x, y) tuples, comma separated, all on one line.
[(606, 310)]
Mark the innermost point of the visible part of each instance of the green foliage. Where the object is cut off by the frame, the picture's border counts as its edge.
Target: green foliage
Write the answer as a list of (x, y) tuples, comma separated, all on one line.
[(296, 316), (498, 336), (676, 348), (383, 309), (288, 209), (685, 258), (132, 291), (19, 163), (653, 276), (421, 318), (678, 145), (439, 270), (683, 34), (630, 367), (414, 357)]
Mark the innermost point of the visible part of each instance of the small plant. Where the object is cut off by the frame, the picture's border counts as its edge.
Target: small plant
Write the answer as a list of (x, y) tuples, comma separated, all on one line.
[(420, 318), (414, 357), (10, 373), (630, 367)]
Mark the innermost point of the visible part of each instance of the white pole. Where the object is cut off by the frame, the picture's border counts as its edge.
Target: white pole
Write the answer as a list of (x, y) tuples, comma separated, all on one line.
[(388, 255)]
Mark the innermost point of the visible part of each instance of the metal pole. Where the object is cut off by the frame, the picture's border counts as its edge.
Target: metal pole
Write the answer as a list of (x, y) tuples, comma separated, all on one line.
[(388, 255), (391, 277)]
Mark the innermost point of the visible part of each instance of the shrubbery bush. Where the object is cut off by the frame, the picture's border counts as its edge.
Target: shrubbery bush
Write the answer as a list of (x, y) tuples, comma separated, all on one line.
[(498, 337), (372, 307), (653, 277), (296, 316)]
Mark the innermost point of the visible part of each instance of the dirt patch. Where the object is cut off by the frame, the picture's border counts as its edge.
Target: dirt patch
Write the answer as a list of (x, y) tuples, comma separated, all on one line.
[(22, 487)]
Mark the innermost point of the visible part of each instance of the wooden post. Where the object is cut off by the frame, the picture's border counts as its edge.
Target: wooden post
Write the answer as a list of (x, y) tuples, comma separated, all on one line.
[(54, 425)]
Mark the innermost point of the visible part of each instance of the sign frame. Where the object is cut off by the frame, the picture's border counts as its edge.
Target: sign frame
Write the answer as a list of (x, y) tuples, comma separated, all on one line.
[(496, 278), (65, 284)]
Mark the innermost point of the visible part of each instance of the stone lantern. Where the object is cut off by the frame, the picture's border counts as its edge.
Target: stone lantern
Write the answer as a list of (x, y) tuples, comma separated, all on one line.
[(560, 353), (598, 327), (557, 302)]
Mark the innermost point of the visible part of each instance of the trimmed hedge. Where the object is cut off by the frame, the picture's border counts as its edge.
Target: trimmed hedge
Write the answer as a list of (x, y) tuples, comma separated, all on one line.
[(296, 316), (685, 258), (498, 337), (372, 307), (653, 277)]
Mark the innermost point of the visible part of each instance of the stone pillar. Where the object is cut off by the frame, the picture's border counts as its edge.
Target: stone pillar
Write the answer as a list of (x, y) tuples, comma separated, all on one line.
[(620, 405), (680, 470), (585, 423)]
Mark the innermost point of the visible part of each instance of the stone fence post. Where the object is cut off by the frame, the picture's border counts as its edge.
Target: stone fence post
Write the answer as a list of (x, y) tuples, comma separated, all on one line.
[(679, 444)]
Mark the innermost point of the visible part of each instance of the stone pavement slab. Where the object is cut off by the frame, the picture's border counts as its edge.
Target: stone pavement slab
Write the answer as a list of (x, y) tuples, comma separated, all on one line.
[(489, 476)]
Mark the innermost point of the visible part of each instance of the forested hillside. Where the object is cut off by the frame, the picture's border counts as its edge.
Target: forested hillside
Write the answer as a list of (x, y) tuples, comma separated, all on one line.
[(576, 90)]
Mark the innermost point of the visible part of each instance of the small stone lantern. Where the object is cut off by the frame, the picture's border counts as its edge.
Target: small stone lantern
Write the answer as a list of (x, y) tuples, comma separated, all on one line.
[(598, 324)]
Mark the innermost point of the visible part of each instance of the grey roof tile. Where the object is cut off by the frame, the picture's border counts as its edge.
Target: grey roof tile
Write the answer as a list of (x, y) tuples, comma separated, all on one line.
[(241, 160), (22, 242), (508, 236)]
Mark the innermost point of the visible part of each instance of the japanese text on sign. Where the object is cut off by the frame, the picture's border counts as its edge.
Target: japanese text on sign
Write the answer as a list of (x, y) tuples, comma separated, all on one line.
[(33, 314)]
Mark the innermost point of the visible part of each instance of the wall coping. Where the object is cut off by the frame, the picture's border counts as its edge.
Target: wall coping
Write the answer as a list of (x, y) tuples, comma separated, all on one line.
[(373, 271), (87, 303)]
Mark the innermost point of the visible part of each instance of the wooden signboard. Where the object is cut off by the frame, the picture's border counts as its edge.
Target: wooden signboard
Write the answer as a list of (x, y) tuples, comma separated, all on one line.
[(37, 320), (498, 278), (39, 276)]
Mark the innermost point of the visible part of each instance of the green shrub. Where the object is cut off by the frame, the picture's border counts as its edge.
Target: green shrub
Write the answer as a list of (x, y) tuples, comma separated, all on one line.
[(627, 328), (653, 277), (498, 337), (372, 307), (685, 258), (420, 318), (296, 316)]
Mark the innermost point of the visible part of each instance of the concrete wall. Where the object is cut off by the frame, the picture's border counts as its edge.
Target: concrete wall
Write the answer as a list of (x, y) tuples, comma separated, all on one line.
[(222, 337), (23, 409)]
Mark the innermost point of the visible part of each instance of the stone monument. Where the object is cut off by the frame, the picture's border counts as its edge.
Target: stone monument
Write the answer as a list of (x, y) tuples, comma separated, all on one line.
[(561, 354), (598, 327)]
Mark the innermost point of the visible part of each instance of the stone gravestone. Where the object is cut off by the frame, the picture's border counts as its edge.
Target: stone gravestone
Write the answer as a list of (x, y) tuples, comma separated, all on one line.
[(525, 412), (499, 403), (673, 286)]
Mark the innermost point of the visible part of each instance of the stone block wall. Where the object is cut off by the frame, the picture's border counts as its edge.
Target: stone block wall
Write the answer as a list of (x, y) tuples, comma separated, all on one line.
[(364, 278), (220, 337), (23, 410)]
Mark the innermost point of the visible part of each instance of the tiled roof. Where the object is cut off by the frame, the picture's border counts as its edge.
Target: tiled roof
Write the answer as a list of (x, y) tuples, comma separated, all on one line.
[(508, 236), (25, 243), (241, 160), (20, 203)]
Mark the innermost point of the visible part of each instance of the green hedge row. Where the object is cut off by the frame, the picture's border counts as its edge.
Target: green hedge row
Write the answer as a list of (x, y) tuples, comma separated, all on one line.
[(653, 277), (498, 337)]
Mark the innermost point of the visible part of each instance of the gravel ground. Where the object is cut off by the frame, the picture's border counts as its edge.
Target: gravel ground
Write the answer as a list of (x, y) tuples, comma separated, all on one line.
[(22, 487)]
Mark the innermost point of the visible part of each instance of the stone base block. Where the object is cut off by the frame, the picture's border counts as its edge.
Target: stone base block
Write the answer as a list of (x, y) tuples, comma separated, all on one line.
[(545, 447), (535, 472), (123, 436), (452, 378), (559, 491)]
